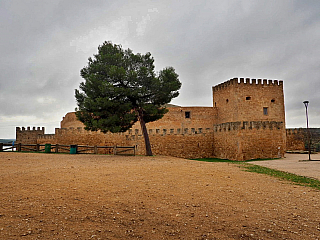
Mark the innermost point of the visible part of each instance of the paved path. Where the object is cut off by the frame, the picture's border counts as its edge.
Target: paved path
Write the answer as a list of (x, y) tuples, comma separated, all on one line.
[(294, 163)]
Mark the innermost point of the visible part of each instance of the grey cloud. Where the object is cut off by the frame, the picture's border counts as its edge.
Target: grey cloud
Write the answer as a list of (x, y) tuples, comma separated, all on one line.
[(46, 43)]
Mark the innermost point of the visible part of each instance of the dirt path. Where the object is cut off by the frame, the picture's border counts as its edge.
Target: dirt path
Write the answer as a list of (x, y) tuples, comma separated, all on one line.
[(295, 163), (49, 196)]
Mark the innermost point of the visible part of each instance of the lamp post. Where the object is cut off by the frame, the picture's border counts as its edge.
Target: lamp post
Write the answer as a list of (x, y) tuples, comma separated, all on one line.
[(306, 103)]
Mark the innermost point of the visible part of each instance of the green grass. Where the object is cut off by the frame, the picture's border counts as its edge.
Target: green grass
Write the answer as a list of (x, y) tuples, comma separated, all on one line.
[(299, 180), (230, 161), (296, 179)]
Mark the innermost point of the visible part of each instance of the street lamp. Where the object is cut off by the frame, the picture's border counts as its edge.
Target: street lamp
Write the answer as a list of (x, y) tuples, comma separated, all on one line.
[(306, 103)]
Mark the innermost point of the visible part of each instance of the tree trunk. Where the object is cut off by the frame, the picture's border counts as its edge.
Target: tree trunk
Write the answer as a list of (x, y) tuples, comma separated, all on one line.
[(145, 133)]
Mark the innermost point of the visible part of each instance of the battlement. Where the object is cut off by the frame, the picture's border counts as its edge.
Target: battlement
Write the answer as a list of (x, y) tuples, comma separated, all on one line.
[(291, 131), (248, 125), (133, 132), (247, 81), (28, 135), (23, 129), (179, 131), (46, 136)]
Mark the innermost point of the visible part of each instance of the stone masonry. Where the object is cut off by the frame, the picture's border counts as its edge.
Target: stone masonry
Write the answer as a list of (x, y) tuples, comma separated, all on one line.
[(247, 121), (297, 139), (250, 119)]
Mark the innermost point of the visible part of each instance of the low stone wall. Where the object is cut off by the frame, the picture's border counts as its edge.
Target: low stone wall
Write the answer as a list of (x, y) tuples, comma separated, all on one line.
[(297, 139)]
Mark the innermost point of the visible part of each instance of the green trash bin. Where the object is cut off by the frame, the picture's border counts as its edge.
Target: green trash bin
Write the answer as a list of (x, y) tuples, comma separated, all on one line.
[(47, 148), (73, 149)]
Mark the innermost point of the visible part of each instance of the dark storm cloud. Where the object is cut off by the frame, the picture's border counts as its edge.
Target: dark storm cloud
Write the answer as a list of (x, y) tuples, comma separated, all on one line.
[(44, 44)]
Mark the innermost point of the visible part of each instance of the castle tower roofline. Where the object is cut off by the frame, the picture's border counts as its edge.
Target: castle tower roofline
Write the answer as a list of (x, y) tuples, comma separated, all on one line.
[(23, 129), (247, 81)]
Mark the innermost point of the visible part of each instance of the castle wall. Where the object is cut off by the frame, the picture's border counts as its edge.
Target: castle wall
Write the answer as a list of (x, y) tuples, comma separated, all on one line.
[(227, 143), (243, 129), (187, 142), (28, 136), (185, 117), (70, 120), (182, 132), (297, 139), (246, 121), (198, 117), (244, 100), (315, 139), (249, 140)]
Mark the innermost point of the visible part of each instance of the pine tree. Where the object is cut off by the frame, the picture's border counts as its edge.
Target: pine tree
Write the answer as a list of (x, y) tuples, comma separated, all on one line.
[(121, 88)]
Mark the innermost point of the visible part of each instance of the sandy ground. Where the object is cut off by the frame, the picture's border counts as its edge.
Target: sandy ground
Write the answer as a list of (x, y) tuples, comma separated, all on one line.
[(63, 196)]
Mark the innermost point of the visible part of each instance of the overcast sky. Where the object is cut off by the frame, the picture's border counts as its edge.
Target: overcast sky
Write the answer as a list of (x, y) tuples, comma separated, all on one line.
[(45, 43)]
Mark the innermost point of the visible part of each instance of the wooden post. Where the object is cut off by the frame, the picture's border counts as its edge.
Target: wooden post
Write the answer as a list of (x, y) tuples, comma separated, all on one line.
[(57, 148), (115, 150), (95, 149), (38, 148), (19, 147), (1, 147)]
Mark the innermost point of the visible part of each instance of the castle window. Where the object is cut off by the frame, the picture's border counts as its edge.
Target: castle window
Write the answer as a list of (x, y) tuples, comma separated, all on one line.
[(227, 100), (248, 98), (265, 111), (187, 114), (273, 100)]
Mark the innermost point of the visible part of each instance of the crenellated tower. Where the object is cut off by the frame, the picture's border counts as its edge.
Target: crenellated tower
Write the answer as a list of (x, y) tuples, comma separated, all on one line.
[(28, 136), (249, 99), (250, 119)]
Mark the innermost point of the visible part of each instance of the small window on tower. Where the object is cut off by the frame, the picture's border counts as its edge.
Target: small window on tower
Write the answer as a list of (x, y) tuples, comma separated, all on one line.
[(265, 111), (273, 100), (227, 100), (248, 98), (187, 114)]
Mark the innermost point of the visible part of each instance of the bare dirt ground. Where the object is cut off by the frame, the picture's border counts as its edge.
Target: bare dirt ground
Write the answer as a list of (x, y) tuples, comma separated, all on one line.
[(62, 196)]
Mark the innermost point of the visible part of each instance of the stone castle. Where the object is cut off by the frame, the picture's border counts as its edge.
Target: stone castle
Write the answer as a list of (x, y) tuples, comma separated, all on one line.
[(247, 121)]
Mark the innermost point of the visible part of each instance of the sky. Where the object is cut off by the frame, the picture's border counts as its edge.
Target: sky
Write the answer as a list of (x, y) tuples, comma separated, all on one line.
[(44, 45)]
